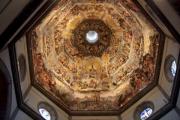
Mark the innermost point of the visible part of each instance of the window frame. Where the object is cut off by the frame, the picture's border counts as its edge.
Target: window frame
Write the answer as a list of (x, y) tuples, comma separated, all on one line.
[(167, 67), (49, 108), (140, 108), (22, 67)]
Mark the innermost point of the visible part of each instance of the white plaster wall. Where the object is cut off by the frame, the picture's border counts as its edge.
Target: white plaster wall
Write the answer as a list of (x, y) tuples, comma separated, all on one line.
[(153, 15), (22, 116), (155, 96), (35, 97), (6, 17), (169, 12), (21, 48), (4, 55), (3, 4), (172, 115), (171, 48), (10, 13)]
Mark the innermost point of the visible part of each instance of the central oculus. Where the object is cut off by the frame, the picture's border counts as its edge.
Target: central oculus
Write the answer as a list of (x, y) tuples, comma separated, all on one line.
[(92, 37)]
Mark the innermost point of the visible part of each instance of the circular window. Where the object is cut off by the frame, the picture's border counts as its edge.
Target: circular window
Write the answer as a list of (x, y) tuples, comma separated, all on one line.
[(170, 67), (144, 111), (173, 68), (46, 111), (92, 37), (22, 66)]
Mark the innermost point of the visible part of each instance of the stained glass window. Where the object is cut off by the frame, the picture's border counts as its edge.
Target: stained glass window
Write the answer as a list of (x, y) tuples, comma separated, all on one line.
[(170, 67), (173, 68), (146, 113), (45, 113)]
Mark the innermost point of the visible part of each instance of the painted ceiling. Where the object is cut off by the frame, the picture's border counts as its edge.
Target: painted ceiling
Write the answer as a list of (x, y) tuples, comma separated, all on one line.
[(100, 76)]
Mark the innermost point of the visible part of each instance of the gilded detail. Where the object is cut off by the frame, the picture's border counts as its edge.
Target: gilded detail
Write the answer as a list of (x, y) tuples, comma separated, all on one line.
[(102, 76)]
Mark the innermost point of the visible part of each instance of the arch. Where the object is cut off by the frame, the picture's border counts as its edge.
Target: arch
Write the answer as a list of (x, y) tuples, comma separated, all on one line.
[(5, 92)]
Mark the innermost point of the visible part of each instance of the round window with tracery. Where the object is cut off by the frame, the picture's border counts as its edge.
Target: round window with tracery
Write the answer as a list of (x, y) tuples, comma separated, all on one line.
[(144, 111), (46, 111), (170, 67), (173, 68)]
